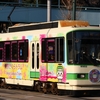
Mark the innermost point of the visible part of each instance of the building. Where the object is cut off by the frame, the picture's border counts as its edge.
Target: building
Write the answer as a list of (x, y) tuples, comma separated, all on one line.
[(30, 11)]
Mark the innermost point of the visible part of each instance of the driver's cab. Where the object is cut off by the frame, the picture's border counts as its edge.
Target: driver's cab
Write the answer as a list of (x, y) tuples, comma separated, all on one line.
[(84, 48)]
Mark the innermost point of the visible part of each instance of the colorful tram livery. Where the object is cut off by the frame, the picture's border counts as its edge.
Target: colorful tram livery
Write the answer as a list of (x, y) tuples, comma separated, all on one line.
[(52, 56)]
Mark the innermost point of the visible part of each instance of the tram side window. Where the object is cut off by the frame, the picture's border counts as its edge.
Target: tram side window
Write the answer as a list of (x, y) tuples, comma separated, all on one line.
[(1, 50), (43, 50), (23, 50), (33, 49), (14, 48), (53, 49), (60, 49), (70, 52), (26, 50), (37, 55), (7, 51), (50, 50)]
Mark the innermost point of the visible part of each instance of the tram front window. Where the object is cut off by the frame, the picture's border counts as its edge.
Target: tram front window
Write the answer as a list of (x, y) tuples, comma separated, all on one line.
[(84, 47)]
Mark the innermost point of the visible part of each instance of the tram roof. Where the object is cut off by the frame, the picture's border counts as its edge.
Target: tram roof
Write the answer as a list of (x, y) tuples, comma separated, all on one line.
[(46, 25)]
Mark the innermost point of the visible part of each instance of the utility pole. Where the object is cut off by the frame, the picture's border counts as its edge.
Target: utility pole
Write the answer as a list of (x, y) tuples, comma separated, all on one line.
[(37, 3), (74, 10), (48, 10)]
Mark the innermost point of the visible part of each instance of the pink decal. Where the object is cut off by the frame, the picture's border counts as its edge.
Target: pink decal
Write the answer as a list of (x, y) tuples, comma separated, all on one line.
[(42, 36), (24, 75), (7, 38), (0, 72), (50, 35), (44, 74), (64, 76), (51, 75), (43, 71), (10, 76), (23, 37)]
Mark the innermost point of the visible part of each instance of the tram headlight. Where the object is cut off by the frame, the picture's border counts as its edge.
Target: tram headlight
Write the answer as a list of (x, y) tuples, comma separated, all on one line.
[(81, 76)]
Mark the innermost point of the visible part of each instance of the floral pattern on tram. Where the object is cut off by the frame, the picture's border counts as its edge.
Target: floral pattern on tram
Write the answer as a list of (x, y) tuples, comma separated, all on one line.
[(52, 73)]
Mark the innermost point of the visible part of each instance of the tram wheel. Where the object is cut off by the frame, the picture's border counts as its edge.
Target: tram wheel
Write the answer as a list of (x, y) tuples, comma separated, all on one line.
[(3, 84), (54, 89), (39, 87), (36, 87), (45, 88)]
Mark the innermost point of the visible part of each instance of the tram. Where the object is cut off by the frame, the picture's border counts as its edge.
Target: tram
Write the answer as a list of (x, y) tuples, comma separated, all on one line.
[(52, 56)]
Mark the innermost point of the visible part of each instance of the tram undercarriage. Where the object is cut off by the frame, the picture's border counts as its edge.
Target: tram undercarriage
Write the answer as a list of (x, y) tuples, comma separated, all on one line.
[(49, 88)]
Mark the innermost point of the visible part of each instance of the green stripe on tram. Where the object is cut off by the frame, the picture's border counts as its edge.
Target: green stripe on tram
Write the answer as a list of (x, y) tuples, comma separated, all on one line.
[(69, 76), (34, 74), (75, 76)]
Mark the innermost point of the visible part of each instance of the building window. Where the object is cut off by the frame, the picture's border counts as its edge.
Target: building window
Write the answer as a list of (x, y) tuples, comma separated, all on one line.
[(42, 1), (54, 2)]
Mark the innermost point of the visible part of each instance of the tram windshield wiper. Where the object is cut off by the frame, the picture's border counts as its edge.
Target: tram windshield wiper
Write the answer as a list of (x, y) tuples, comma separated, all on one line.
[(95, 61), (89, 59)]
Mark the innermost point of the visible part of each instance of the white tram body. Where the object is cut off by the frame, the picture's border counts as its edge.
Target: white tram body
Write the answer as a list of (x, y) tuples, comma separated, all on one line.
[(62, 55)]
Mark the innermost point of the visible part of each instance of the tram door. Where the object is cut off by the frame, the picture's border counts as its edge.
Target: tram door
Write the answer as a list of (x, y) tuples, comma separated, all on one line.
[(34, 60)]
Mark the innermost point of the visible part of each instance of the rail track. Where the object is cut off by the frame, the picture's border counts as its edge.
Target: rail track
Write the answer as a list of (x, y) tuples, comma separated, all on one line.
[(15, 94), (36, 91)]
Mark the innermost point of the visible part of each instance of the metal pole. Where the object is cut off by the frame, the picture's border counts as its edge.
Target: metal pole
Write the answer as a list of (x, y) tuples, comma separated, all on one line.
[(74, 10), (37, 3), (48, 10), (58, 3)]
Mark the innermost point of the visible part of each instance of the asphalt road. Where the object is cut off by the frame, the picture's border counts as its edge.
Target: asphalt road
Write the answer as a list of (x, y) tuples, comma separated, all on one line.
[(6, 94)]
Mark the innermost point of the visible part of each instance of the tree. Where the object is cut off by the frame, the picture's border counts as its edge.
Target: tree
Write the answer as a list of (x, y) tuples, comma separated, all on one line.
[(68, 5), (79, 3), (92, 3)]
